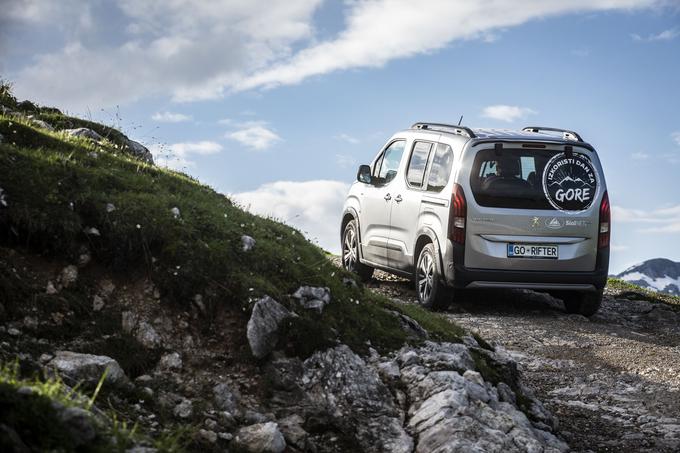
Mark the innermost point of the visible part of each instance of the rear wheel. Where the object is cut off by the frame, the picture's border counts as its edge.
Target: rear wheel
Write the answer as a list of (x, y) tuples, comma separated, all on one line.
[(432, 292), (350, 252), (583, 303)]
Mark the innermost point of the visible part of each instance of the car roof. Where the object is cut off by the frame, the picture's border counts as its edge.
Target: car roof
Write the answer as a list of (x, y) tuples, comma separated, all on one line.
[(485, 135)]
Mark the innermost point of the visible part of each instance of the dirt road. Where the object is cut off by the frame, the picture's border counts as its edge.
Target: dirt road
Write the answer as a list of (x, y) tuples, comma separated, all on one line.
[(612, 380)]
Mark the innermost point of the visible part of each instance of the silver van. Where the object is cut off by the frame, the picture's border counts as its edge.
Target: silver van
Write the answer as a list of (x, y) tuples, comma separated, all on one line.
[(455, 209)]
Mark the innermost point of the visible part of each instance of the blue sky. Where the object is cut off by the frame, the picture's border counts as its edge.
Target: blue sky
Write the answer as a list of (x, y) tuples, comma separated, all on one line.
[(277, 103)]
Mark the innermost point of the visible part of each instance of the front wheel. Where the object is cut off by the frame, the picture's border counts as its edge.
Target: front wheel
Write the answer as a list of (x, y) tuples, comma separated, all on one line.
[(586, 303), (432, 292), (350, 252)]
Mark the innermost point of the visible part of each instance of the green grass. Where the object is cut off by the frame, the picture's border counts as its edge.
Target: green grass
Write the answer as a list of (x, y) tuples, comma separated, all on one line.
[(620, 288), (58, 186)]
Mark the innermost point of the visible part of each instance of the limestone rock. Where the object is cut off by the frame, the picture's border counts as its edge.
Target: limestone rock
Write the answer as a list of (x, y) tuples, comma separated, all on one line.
[(313, 298), (343, 386), (264, 324), (140, 151), (260, 438), (84, 132), (88, 368), (225, 398)]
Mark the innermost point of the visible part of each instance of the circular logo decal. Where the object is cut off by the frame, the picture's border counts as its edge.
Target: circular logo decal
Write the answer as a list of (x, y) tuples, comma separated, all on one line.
[(570, 182)]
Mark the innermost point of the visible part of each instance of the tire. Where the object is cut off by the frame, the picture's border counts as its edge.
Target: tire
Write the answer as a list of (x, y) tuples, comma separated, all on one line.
[(430, 287), (586, 303), (350, 252)]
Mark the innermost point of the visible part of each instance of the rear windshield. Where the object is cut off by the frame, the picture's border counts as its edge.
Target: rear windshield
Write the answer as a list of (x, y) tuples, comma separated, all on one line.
[(510, 178)]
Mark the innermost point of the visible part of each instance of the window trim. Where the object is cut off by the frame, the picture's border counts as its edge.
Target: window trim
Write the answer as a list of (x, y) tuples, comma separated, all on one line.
[(380, 159), (426, 171), (429, 167)]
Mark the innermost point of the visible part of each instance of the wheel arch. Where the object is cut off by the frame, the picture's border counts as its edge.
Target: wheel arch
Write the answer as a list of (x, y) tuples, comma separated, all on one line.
[(349, 215), (424, 236)]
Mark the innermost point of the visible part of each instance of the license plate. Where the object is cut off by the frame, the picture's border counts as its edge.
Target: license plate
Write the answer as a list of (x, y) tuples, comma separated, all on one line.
[(532, 251)]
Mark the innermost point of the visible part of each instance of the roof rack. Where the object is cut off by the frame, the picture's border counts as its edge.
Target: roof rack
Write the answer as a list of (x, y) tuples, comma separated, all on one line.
[(567, 134), (460, 130)]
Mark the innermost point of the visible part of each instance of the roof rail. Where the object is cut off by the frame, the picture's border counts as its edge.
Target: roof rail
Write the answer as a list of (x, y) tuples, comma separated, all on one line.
[(442, 127), (567, 134)]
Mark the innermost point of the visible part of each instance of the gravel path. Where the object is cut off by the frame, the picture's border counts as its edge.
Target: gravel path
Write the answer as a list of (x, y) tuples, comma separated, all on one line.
[(612, 380)]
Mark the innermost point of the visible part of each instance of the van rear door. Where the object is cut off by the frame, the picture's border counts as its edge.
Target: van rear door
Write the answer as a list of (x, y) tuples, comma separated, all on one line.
[(532, 208)]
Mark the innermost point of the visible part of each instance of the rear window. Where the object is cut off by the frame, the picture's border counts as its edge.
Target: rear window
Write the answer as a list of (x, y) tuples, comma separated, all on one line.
[(510, 178)]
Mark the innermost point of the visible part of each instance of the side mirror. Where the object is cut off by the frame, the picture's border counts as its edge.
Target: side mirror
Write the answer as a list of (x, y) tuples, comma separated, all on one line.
[(364, 174)]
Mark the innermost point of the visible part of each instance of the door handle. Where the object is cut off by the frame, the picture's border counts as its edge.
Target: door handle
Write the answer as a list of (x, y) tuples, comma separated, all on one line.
[(388, 197), (398, 199)]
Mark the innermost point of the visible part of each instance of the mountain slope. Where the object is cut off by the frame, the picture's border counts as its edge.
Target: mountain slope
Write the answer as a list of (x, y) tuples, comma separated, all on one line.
[(658, 274)]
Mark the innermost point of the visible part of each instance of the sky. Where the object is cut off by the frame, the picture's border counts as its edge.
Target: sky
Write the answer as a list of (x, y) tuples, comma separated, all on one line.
[(276, 103)]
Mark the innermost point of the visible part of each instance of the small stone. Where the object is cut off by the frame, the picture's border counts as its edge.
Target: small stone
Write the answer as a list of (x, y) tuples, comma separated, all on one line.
[(88, 368), (225, 398), (13, 332), (84, 133), (110, 207), (184, 409), (68, 276), (31, 322), (207, 436), (175, 212), (3, 197), (260, 438), (91, 231), (248, 243), (225, 436), (171, 361), (147, 335), (97, 303)]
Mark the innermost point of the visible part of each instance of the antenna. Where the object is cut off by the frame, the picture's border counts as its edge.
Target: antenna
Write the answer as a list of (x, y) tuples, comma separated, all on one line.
[(460, 120)]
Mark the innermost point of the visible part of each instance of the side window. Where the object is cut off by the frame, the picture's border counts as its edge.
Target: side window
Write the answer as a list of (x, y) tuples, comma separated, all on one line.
[(417, 164), (388, 164), (440, 170)]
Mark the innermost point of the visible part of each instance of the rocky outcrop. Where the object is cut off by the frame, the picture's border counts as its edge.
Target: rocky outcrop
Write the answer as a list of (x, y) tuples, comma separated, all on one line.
[(263, 326), (339, 384), (452, 408)]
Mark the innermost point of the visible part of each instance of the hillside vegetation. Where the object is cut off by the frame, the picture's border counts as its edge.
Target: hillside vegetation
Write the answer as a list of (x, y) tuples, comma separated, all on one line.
[(62, 193)]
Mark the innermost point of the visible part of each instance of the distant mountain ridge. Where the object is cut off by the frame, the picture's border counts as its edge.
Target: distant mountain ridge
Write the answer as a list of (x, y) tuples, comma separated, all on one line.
[(658, 274)]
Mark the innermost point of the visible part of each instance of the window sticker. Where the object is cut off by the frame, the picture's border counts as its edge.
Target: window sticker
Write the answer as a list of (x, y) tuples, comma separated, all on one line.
[(570, 183)]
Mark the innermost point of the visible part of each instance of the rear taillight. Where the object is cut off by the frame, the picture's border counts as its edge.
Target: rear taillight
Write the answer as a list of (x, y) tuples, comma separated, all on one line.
[(605, 222), (457, 215)]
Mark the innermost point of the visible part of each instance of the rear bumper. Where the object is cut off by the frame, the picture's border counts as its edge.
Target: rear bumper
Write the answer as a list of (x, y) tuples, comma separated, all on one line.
[(459, 276)]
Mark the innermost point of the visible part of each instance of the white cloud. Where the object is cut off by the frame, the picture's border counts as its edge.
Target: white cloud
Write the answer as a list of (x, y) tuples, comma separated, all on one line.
[(178, 155), (170, 117), (202, 50), (666, 35), (676, 137), (507, 113), (639, 156), (315, 207), (254, 135), (661, 220), (347, 138), (379, 31), (181, 48)]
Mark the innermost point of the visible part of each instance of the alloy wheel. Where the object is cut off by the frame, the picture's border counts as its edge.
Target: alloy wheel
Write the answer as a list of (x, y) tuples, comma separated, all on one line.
[(425, 277)]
